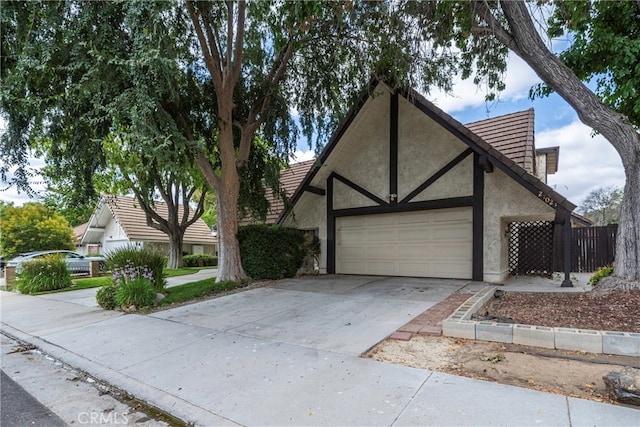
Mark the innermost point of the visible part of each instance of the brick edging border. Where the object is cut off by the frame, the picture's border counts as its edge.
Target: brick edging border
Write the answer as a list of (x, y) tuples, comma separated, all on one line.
[(459, 325)]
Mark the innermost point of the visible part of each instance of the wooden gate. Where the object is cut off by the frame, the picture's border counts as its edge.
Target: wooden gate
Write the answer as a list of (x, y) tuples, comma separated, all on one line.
[(591, 248)]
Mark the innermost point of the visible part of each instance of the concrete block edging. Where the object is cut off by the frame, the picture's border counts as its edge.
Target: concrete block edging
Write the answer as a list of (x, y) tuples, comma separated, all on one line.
[(460, 325)]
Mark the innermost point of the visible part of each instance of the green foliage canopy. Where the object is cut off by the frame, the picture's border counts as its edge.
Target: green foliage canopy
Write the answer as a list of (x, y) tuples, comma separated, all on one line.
[(605, 47), (33, 227)]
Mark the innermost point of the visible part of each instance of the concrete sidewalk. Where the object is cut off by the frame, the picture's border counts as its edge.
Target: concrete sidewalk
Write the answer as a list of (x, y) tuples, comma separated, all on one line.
[(286, 355)]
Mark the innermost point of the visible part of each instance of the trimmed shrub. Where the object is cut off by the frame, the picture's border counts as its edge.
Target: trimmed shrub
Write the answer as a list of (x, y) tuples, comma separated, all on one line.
[(600, 274), (271, 252), (106, 297), (200, 260), (138, 292), (46, 274), (147, 257)]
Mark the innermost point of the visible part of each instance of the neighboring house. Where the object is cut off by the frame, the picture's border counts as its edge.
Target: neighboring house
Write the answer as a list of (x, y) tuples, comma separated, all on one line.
[(403, 189), (119, 221)]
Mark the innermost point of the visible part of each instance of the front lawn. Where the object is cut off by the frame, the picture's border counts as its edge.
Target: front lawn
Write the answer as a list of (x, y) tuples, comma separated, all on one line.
[(194, 290), (95, 282), (183, 271)]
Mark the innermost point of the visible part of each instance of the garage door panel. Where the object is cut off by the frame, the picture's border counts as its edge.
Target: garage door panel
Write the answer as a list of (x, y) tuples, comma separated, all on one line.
[(415, 235), (422, 243), (462, 215), (414, 269), (379, 268), (450, 269)]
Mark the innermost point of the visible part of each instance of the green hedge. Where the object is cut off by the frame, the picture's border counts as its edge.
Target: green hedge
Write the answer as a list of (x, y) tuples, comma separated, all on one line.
[(46, 274), (271, 252), (200, 260)]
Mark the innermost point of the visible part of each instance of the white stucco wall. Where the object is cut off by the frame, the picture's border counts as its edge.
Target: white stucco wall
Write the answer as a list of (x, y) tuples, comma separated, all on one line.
[(425, 147), (308, 214), (505, 201), (114, 237)]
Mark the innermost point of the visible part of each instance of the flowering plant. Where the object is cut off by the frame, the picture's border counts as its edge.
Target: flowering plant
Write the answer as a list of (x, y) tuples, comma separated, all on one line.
[(128, 273)]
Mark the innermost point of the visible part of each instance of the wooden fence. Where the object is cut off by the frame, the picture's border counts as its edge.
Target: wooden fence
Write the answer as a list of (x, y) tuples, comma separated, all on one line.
[(591, 248)]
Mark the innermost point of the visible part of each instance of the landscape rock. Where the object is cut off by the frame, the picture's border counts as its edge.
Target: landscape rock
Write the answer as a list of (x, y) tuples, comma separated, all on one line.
[(624, 386)]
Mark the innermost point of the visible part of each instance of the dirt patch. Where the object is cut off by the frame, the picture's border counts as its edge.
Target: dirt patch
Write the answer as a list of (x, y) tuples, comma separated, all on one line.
[(573, 374), (611, 311), (570, 373)]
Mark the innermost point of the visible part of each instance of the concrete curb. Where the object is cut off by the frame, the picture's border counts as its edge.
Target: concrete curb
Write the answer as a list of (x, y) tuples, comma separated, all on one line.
[(460, 325)]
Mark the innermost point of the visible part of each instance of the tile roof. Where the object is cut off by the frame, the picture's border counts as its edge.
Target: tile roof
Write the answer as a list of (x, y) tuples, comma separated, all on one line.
[(133, 221), (511, 134), (290, 179)]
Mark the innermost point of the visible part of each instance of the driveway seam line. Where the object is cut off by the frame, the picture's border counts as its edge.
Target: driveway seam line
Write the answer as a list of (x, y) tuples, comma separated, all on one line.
[(411, 398)]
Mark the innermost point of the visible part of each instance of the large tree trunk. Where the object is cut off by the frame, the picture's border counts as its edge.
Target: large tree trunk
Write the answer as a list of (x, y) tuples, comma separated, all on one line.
[(175, 250), (227, 189), (522, 38), (627, 262), (229, 263)]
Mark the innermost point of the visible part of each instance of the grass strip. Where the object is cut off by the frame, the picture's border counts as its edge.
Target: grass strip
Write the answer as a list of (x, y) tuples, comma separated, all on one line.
[(95, 282), (183, 271), (193, 290)]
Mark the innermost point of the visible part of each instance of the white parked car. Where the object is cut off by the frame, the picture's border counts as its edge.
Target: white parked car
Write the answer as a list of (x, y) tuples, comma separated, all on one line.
[(76, 263)]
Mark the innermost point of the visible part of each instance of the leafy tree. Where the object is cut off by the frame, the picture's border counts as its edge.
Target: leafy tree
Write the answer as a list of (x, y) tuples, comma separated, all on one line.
[(602, 205), (216, 79), (209, 216), (512, 24), (58, 197), (157, 174), (605, 47), (605, 44), (33, 227)]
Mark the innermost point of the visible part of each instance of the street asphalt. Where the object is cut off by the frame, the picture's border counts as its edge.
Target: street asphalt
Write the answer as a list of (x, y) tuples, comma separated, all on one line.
[(286, 355)]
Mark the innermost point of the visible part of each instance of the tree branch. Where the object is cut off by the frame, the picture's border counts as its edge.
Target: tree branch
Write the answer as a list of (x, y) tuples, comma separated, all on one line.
[(211, 59), (494, 27), (257, 115), (239, 43)]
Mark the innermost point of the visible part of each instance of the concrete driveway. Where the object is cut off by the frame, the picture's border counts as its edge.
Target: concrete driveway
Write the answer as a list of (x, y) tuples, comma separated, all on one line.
[(343, 314)]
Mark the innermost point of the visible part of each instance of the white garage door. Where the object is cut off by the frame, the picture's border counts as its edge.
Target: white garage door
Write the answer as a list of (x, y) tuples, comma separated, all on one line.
[(436, 243)]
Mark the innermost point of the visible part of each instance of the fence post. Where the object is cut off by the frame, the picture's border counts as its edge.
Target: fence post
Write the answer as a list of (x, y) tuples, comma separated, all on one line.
[(9, 277), (94, 268), (566, 231)]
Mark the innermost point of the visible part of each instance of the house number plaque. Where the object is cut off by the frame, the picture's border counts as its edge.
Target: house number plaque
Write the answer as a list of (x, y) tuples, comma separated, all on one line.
[(548, 200)]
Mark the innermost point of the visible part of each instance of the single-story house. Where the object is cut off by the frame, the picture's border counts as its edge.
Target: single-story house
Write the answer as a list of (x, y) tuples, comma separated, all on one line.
[(403, 189), (119, 221)]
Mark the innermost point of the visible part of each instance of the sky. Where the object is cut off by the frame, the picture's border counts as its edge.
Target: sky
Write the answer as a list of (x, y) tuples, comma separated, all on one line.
[(585, 162)]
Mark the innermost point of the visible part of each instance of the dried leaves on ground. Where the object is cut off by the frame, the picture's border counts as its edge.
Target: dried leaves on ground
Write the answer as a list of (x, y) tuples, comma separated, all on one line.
[(612, 311)]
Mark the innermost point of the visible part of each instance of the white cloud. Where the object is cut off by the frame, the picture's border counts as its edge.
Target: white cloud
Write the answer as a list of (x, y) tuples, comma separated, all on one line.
[(586, 162), (518, 80), (301, 155), (10, 194)]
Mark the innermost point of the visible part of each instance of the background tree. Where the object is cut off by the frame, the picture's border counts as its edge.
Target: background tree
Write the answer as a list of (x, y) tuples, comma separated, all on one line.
[(158, 173), (218, 78), (602, 205), (33, 227)]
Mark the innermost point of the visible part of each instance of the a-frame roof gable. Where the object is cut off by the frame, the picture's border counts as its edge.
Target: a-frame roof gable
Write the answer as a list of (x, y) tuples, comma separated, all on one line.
[(547, 194)]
